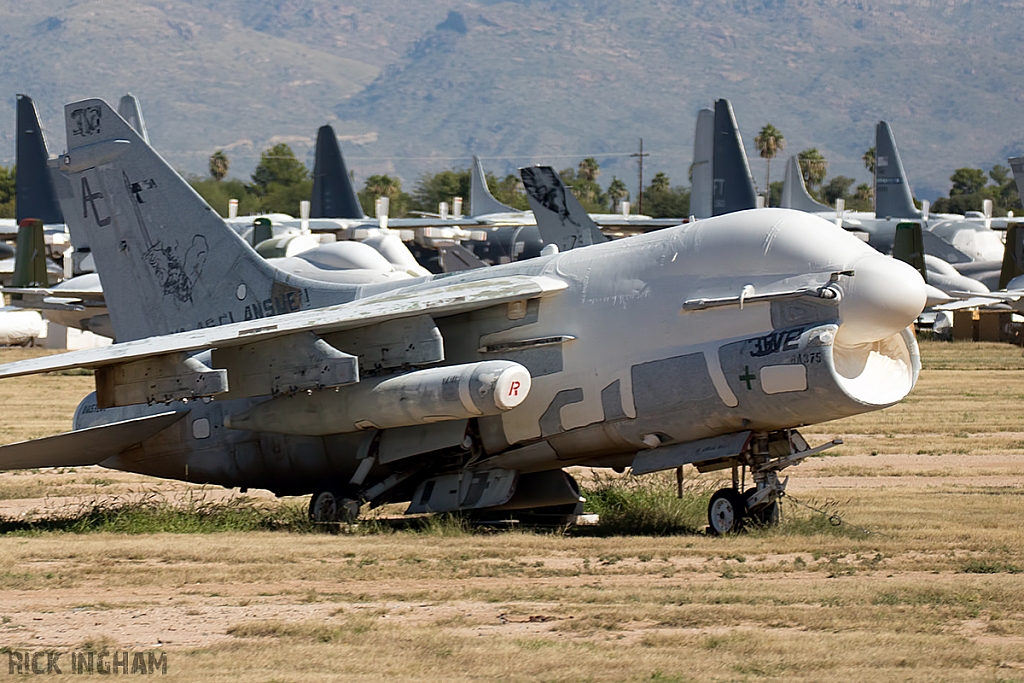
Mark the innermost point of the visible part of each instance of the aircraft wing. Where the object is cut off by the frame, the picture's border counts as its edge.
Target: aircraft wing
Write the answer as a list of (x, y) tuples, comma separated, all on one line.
[(401, 303), (50, 299), (85, 446), (977, 300)]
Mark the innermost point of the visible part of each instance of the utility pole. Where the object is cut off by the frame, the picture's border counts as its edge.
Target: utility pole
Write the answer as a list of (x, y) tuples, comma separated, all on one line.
[(640, 161)]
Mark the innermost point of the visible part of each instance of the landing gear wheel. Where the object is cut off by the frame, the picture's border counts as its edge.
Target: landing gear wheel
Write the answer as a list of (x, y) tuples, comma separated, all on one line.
[(332, 506), (767, 515), (323, 507), (726, 512)]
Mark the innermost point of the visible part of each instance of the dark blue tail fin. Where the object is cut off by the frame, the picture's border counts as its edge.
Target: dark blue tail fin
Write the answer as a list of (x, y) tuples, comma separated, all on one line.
[(893, 197), (333, 194), (34, 189), (733, 183)]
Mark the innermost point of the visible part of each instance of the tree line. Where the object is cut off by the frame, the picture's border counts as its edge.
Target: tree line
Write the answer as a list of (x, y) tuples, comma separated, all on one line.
[(280, 181)]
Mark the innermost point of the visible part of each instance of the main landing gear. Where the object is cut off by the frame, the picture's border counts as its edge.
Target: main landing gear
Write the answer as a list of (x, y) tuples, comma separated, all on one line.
[(333, 506), (732, 509)]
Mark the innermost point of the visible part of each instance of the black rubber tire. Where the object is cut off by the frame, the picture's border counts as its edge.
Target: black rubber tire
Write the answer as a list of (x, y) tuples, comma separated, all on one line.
[(726, 512), (323, 506)]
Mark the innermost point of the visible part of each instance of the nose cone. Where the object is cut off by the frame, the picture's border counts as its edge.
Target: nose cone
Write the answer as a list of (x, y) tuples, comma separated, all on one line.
[(882, 298)]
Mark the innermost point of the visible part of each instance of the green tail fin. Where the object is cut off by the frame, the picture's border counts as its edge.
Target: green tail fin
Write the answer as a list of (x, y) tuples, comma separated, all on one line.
[(909, 247), (1013, 255), (30, 255)]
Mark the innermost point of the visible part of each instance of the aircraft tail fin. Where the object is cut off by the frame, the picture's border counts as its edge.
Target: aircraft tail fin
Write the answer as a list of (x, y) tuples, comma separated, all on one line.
[(561, 219), (733, 183), (794, 191), (1017, 165), (481, 201), (30, 255), (702, 177), (893, 196), (333, 193), (130, 110), (168, 261), (1013, 254), (908, 246), (455, 257), (35, 197)]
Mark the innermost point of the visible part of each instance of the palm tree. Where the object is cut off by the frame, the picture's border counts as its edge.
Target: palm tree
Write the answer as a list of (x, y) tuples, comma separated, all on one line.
[(769, 143), (617, 192), (219, 165), (589, 169), (869, 163), (383, 186), (813, 166)]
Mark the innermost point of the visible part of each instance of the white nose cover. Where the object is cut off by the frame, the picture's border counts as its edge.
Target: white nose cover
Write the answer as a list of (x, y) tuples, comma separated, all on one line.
[(882, 298)]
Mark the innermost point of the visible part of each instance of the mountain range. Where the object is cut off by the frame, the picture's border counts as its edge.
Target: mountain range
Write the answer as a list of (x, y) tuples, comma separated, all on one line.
[(418, 87)]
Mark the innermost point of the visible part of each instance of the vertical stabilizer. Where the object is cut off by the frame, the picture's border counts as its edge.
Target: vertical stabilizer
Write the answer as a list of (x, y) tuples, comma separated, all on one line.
[(333, 193), (1017, 165), (702, 173), (794, 191), (30, 255), (130, 110), (35, 197), (561, 219), (481, 201), (168, 261), (1013, 254), (908, 246), (893, 197), (733, 183)]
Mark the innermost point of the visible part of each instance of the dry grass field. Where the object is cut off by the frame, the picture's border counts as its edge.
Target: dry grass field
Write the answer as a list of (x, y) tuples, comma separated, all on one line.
[(923, 580)]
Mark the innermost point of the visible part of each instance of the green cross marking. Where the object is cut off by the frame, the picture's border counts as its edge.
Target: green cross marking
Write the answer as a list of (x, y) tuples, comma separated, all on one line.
[(747, 377)]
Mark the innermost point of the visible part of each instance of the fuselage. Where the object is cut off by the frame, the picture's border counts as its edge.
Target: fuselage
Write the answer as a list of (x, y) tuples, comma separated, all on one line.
[(620, 357)]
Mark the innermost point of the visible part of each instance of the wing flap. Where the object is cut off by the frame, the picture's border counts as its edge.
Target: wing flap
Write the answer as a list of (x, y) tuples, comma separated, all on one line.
[(402, 303), (85, 446)]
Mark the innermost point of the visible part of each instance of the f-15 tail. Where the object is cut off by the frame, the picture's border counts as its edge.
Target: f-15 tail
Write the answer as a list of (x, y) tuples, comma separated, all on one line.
[(168, 261), (733, 183), (561, 219), (481, 201), (35, 197), (333, 193), (794, 191), (893, 197)]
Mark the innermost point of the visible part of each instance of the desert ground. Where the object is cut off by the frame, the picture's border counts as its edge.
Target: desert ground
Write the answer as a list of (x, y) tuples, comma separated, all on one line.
[(914, 571)]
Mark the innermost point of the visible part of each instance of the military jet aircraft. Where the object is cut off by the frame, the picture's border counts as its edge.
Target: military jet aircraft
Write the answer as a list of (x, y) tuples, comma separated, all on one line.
[(708, 343)]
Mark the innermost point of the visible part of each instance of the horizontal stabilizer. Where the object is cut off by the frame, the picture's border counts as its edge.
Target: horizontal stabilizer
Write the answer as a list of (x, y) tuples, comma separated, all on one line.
[(455, 257), (85, 446)]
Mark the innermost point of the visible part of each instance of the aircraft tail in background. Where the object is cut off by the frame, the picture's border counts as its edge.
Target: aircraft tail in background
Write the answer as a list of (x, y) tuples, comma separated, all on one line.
[(1017, 165), (34, 191), (130, 110), (30, 255), (481, 201), (561, 219), (733, 184), (794, 191), (908, 246), (333, 193), (702, 178), (169, 262), (1013, 254), (893, 196)]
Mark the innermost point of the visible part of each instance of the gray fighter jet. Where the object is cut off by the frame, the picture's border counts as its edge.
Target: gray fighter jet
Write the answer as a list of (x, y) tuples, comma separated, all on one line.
[(707, 343)]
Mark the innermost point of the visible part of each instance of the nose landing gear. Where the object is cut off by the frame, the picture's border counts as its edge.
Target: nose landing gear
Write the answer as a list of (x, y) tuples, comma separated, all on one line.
[(732, 509)]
